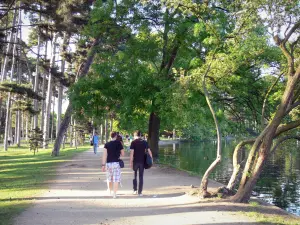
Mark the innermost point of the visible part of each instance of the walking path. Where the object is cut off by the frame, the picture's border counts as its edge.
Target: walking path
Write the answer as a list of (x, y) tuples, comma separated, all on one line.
[(78, 197)]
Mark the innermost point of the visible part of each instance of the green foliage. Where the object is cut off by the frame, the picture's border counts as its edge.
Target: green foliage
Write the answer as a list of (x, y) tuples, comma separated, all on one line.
[(35, 139), (20, 89)]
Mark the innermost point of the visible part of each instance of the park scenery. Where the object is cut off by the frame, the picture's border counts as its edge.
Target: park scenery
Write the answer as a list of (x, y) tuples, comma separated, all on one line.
[(213, 87)]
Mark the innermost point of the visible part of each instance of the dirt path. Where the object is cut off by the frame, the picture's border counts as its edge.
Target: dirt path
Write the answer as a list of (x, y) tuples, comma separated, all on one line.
[(78, 197)]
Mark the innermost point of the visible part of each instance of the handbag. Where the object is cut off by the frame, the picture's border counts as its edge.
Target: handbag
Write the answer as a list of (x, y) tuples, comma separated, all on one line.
[(148, 161), (121, 162)]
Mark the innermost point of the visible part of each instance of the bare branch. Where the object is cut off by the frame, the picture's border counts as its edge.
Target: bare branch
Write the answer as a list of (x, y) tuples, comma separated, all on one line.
[(9, 8), (292, 30), (283, 139)]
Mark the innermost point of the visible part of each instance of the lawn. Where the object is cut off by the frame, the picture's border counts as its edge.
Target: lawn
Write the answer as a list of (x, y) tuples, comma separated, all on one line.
[(23, 176)]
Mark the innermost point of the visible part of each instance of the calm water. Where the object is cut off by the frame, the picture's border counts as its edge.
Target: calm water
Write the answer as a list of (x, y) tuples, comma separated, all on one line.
[(279, 183)]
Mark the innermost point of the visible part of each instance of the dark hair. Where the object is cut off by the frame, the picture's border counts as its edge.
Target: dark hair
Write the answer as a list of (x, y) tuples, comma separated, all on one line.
[(138, 133), (113, 134), (119, 137)]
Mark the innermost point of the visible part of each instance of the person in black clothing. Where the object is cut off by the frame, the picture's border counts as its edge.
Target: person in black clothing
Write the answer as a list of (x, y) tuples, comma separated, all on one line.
[(138, 148), (110, 162)]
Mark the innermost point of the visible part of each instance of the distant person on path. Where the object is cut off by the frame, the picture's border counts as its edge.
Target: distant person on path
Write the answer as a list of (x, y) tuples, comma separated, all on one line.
[(95, 142), (138, 148), (110, 162)]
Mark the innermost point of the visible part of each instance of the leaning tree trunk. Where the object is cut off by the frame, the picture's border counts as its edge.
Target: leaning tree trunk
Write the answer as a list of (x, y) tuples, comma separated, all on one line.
[(236, 163), (262, 145), (66, 121), (153, 133), (204, 182), (62, 130), (49, 95)]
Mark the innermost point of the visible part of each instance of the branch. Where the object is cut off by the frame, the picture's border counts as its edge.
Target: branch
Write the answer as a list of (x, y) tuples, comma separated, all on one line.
[(283, 139), (292, 30), (9, 8), (265, 100), (292, 107), (286, 127)]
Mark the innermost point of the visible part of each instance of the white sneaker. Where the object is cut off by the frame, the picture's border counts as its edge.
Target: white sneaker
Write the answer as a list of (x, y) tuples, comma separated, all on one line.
[(141, 195), (134, 192), (114, 196)]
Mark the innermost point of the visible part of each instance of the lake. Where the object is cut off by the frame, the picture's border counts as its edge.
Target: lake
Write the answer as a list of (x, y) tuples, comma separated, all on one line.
[(279, 183)]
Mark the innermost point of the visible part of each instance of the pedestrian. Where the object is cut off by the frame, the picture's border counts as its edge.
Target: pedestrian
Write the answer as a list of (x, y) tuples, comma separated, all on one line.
[(110, 163), (138, 148), (95, 142)]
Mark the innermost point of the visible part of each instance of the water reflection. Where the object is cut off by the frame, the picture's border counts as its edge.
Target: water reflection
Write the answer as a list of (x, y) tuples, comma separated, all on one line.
[(279, 182)]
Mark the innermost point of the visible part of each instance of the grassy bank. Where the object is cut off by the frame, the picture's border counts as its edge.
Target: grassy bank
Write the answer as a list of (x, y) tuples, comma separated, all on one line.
[(23, 176)]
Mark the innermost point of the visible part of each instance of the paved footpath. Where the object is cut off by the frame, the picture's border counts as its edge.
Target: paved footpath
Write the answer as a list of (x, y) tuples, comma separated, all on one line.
[(78, 196)]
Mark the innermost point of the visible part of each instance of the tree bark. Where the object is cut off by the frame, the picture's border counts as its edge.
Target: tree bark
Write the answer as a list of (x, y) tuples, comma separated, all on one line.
[(49, 95), (82, 73), (153, 133), (204, 182), (236, 163), (60, 86), (36, 79), (52, 120), (71, 129), (8, 112), (8, 49), (43, 91), (62, 130), (263, 143), (106, 130)]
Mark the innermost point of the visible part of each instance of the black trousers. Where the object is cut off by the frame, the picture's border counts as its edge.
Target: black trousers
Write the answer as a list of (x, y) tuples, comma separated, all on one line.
[(138, 167)]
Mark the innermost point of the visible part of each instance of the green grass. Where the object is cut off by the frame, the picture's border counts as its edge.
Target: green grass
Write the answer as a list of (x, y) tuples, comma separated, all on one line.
[(267, 218), (273, 219), (23, 176)]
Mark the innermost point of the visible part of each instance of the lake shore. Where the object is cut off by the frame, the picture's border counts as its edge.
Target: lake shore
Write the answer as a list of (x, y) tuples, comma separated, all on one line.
[(78, 196)]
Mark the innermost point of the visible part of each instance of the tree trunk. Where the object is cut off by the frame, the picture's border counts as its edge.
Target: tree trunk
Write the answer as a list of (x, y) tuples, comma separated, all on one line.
[(49, 95), (204, 182), (101, 134), (8, 49), (36, 79), (75, 134), (106, 130), (111, 125), (60, 86), (43, 91), (81, 73), (71, 129), (8, 105), (26, 127), (153, 133), (236, 163), (7, 119), (62, 130), (244, 192), (263, 143), (52, 121)]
